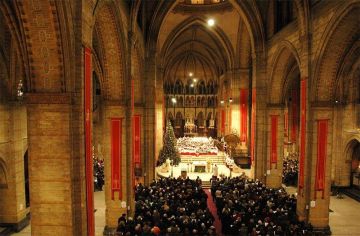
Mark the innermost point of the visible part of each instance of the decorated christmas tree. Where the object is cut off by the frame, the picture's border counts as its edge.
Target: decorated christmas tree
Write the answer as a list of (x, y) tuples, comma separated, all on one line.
[(169, 150)]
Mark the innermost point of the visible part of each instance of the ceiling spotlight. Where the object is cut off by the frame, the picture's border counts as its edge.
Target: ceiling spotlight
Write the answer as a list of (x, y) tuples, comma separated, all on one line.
[(195, 80), (173, 100), (211, 22), (191, 74), (336, 101), (192, 85), (222, 101)]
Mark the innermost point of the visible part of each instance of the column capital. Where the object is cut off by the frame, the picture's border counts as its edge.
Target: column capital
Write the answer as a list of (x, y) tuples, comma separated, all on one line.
[(115, 103), (48, 98), (275, 106)]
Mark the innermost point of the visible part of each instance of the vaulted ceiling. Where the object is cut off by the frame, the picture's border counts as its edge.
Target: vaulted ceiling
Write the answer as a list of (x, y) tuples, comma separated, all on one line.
[(188, 44)]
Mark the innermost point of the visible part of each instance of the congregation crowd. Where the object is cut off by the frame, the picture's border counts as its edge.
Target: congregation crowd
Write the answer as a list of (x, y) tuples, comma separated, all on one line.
[(290, 171), (99, 177), (248, 207), (169, 206)]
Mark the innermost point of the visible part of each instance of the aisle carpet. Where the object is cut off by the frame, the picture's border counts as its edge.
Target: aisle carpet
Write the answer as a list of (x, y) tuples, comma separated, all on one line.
[(212, 207)]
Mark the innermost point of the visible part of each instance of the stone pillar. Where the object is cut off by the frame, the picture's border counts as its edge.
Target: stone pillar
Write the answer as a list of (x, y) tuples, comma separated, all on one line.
[(50, 164), (319, 199), (304, 162), (114, 207), (275, 146), (13, 211), (258, 83), (152, 142)]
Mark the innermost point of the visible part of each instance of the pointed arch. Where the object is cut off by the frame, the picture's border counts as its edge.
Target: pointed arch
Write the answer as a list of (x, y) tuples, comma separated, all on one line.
[(340, 34), (286, 60)]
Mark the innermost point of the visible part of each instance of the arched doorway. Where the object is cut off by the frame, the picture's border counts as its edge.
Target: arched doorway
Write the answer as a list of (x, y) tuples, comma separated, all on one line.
[(353, 154), (284, 116)]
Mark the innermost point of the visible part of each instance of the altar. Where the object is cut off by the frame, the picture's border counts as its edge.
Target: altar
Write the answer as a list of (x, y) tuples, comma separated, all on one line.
[(199, 166), (196, 146)]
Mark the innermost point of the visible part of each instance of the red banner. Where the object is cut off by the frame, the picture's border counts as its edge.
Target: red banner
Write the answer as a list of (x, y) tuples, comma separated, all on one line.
[(302, 132), (273, 147), (116, 155), (137, 140), (223, 117), (295, 116), (322, 132), (243, 117), (253, 123), (88, 148)]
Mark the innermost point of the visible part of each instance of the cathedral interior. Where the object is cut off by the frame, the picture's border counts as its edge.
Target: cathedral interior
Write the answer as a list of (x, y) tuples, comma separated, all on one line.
[(87, 80)]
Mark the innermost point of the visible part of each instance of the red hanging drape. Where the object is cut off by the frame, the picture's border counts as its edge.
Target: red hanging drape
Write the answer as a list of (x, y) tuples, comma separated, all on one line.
[(243, 117), (88, 145), (322, 132), (116, 156), (274, 145), (253, 123), (137, 140)]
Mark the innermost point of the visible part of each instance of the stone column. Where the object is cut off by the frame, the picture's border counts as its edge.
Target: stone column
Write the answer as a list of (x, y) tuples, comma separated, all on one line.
[(258, 84), (275, 146), (151, 146), (50, 164), (319, 200), (114, 208), (304, 162), (13, 211)]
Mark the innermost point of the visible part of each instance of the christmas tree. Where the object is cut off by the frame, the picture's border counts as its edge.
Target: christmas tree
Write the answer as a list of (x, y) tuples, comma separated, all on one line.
[(169, 150)]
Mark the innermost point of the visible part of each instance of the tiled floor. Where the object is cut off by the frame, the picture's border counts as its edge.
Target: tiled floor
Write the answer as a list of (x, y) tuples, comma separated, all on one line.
[(344, 220), (99, 204), (345, 215)]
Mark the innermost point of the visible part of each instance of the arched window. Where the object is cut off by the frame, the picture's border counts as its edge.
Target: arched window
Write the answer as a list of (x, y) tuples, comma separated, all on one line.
[(96, 91), (178, 121), (284, 13), (178, 87), (181, 101), (202, 87), (198, 102), (203, 102), (200, 119)]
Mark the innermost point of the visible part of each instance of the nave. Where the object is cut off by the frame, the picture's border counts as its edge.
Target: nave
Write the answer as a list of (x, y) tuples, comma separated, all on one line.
[(84, 81)]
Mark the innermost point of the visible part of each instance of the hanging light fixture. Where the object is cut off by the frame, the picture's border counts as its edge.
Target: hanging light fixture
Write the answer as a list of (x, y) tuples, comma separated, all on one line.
[(20, 90), (211, 22)]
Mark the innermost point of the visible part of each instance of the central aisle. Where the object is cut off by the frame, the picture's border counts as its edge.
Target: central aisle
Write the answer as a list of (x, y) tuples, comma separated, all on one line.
[(213, 210)]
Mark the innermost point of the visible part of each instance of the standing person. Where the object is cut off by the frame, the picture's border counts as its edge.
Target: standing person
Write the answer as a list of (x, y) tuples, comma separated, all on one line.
[(215, 170)]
